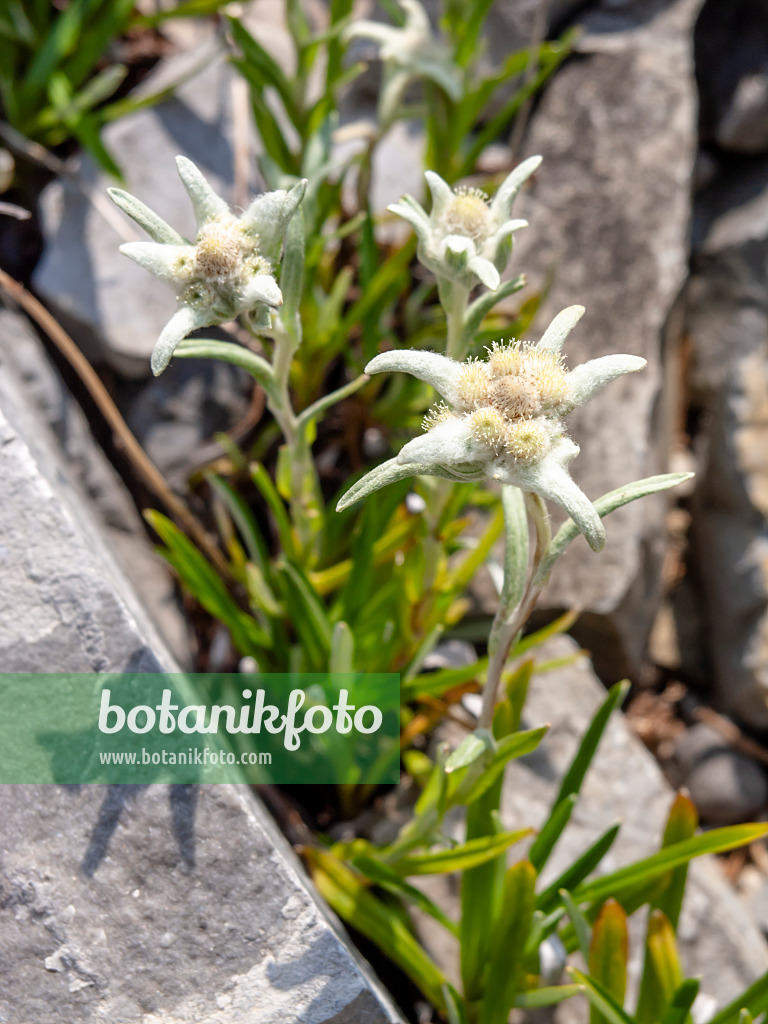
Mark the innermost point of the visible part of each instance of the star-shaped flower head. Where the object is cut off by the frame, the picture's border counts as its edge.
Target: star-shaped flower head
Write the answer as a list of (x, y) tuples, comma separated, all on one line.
[(467, 237), (502, 417), (409, 52), (227, 270)]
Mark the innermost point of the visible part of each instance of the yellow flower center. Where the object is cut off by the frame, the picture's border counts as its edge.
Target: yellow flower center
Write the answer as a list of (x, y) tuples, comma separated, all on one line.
[(467, 214), (218, 249)]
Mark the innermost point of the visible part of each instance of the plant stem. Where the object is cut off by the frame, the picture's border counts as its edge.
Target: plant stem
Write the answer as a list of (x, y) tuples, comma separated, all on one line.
[(455, 348), (520, 589)]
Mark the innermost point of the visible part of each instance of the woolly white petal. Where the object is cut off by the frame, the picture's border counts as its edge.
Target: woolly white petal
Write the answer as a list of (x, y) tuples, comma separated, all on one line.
[(207, 205), (416, 18), (261, 288), (508, 228), (549, 478), (587, 379), (505, 197), (268, 217), (553, 338), (182, 323), (373, 30), (155, 226), (413, 213), (159, 259), (442, 193), (450, 443), (439, 371), (485, 271)]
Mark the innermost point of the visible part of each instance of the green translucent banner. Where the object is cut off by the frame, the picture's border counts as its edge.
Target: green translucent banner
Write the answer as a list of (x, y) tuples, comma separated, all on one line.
[(73, 728)]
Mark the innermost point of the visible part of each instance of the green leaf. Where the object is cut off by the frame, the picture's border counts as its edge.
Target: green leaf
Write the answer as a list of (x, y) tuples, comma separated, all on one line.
[(244, 519), (608, 955), (265, 70), (546, 996), (435, 684), (508, 942), (471, 854), (574, 777), (372, 918), (387, 878), (681, 824), (471, 786), (307, 615), (601, 999), (205, 584), (662, 974), (455, 1006), (679, 1009), (559, 625), (268, 491), (482, 306), (578, 870), (579, 922), (342, 649), (470, 749), (605, 505), (319, 407), (292, 277), (551, 831), (717, 841), (229, 352)]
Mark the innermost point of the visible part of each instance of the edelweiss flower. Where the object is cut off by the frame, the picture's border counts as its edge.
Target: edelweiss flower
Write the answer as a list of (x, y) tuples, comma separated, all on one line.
[(408, 53), (467, 237), (503, 419), (226, 271)]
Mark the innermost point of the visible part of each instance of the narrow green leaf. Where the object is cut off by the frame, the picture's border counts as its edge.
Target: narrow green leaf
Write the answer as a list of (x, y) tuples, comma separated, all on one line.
[(319, 407), (481, 307), (574, 777), (229, 352), (469, 786), (578, 870), (601, 999), (679, 1009), (717, 841), (263, 65), (514, 924), (244, 519), (470, 749), (531, 640), (307, 615), (608, 954), (551, 831), (546, 996), (387, 878), (342, 648), (435, 684), (275, 504), (681, 824), (455, 1006), (604, 506), (360, 908), (579, 922), (662, 974), (471, 854)]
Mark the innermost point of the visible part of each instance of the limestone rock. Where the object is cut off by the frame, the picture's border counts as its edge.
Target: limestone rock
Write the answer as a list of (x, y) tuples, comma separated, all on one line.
[(165, 904), (727, 319), (608, 213), (732, 72)]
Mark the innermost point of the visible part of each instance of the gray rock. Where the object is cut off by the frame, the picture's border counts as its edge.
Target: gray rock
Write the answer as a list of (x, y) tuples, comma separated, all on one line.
[(608, 212), (726, 785), (26, 370), (727, 322), (732, 73), (717, 941), (165, 904), (115, 308)]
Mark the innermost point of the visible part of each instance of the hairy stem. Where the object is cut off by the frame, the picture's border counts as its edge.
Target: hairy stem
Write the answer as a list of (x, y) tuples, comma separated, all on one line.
[(455, 348)]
